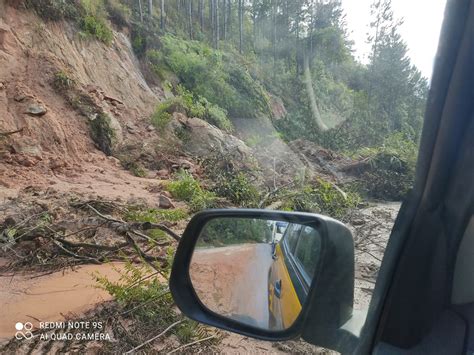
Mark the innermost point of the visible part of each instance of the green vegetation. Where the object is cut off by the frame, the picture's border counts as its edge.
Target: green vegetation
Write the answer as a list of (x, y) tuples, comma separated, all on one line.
[(90, 15), (119, 14), (54, 10), (93, 23), (148, 301), (212, 75), (63, 81), (188, 189), (102, 133), (391, 168), (237, 188), (193, 106), (96, 27), (322, 197), (155, 215), (224, 231)]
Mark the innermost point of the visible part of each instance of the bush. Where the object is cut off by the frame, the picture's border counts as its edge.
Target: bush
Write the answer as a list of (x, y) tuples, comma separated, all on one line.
[(188, 189), (237, 188), (193, 106), (119, 14), (62, 81), (102, 133), (55, 10), (391, 169), (324, 197), (96, 27)]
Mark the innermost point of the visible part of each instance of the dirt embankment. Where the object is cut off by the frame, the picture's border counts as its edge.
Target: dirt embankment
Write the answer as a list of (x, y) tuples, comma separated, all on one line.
[(53, 148)]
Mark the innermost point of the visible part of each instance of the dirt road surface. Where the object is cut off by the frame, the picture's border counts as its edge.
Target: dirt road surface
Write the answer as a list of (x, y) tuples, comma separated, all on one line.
[(232, 281)]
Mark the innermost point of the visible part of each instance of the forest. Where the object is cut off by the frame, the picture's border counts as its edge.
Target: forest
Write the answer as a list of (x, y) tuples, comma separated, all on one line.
[(236, 59)]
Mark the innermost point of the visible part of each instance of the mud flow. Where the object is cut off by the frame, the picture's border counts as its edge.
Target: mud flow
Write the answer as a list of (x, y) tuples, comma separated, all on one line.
[(55, 297)]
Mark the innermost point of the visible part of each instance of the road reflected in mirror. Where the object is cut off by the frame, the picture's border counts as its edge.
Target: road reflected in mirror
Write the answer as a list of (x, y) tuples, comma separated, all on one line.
[(255, 271)]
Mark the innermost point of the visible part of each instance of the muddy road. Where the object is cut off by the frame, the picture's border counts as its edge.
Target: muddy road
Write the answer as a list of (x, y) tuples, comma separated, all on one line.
[(50, 298), (232, 281)]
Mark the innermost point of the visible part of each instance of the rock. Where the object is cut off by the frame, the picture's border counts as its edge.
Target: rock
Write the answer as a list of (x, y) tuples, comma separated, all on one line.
[(2, 86), (22, 147), (165, 202), (150, 128), (19, 97), (357, 222), (163, 173), (36, 110), (25, 161), (185, 164), (114, 161), (131, 128), (56, 163), (166, 193)]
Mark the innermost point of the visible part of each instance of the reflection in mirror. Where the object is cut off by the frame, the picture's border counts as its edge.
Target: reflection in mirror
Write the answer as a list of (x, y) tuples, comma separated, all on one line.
[(255, 271)]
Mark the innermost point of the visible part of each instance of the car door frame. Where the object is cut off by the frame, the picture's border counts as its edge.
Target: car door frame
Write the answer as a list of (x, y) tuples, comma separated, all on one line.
[(437, 156)]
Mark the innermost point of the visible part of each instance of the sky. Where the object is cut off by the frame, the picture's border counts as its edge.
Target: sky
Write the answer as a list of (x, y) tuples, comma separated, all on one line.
[(420, 30)]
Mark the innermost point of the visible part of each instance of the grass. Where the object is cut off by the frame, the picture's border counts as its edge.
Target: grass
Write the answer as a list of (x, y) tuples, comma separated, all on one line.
[(156, 215)]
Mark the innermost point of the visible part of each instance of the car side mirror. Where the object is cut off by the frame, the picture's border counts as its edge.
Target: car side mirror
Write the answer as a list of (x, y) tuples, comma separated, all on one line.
[(225, 275)]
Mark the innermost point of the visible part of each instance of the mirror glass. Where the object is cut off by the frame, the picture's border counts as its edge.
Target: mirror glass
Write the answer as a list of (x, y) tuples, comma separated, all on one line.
[(255, 271)]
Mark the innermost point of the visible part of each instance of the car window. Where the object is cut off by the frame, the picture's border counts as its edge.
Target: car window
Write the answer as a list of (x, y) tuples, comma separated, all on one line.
[(292, 237), (307, 250)]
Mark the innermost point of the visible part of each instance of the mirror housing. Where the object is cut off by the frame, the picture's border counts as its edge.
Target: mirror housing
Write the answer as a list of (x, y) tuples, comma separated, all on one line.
[(329, 304)]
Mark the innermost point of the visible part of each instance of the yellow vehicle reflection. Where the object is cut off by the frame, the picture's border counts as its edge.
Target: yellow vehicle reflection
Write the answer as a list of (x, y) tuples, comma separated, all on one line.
[(295, 258)]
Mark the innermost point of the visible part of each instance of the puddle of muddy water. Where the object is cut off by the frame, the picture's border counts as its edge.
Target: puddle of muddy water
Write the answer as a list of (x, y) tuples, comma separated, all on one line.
[(52, 297)]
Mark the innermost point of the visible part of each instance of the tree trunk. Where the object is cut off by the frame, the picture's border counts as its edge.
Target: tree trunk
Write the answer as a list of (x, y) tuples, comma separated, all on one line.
[(229, 16), (140, 9), (150, 7), (225, 19), (241, 15), (201, 14), (297, 41), (274, 10), (162, 15), (190, 18), (287, 35), (308, 80), (217, 24), (211, 16)]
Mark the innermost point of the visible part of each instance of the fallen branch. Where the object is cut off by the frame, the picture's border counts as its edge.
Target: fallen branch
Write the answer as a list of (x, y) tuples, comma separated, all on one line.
[(145, 303), (192, 343), (155, 337), (6, 134)]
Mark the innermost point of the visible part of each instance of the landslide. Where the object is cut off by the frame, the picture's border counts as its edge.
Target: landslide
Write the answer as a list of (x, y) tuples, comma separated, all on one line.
[(53, 146), (78, 153)]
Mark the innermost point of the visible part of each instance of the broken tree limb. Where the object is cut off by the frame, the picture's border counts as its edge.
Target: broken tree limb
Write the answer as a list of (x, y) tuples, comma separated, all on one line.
[(155, 337), (6, 134)]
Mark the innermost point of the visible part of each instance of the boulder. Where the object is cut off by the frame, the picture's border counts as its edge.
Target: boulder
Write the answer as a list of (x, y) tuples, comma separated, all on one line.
[(36, 110), (165, 202)]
